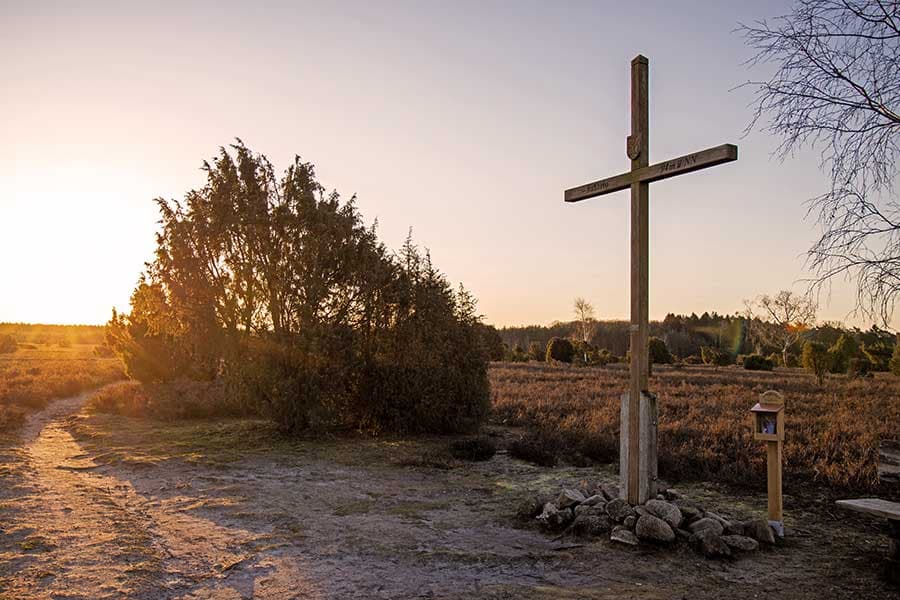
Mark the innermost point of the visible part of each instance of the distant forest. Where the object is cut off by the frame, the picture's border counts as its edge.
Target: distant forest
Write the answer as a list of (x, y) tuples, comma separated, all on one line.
[(686, 335), (33, 333)]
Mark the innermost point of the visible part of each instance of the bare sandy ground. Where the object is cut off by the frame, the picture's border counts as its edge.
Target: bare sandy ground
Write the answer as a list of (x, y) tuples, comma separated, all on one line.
[(101, 507)]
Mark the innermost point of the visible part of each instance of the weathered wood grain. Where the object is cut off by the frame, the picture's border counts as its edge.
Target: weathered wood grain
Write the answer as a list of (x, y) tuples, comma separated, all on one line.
[(677, 166), (873, 506)]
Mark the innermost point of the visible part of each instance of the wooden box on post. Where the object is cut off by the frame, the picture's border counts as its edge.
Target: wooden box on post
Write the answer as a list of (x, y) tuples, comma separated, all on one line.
[(768, 418), (767, 422), (649, 418)]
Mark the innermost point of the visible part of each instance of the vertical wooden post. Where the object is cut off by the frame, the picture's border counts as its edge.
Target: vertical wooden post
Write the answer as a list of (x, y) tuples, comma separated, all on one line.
[(773, 459), (638, 148)]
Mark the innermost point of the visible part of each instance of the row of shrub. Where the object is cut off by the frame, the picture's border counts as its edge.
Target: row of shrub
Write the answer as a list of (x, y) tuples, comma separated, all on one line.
[(844, 356)]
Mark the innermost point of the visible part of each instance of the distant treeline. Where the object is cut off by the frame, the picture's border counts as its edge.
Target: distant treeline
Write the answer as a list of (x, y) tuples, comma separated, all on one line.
[(53, 334), (686, 335)]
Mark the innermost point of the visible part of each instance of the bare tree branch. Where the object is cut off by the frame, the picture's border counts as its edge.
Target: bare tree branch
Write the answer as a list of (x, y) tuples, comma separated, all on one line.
[(836, 88)]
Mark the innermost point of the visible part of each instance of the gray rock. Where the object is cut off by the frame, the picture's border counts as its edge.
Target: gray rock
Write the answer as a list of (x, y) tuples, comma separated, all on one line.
[(759, 530), (623, 536), (672, 495), (562, 518), (629, 522), (710, 543), (683, 534), (569, 497), (734, 529), (547, 512), (740, 542), (531, 507), (554, 518), (665, 511), (609, 491), (704, 524), (618, 509), (690, 511), (591, 525), (640, 511), (594, 500), (589, 511), (653, 528), (725, 522)]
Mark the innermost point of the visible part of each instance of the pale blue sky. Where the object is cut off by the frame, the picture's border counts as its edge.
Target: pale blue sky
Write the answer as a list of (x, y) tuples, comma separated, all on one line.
[(463, 120)]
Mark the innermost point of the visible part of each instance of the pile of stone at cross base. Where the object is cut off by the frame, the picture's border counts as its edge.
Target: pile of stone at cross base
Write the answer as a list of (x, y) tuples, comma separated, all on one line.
[(668, 519)]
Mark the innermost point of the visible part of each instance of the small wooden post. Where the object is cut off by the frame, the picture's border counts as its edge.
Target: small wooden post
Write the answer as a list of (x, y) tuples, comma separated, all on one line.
[(768, 426)]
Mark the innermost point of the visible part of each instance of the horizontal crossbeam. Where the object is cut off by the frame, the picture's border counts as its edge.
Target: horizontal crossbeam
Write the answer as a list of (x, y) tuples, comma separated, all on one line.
[(670, 168)]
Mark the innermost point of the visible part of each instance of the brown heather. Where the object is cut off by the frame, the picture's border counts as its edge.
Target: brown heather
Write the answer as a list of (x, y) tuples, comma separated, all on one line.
[(33, 375), (832, 431)]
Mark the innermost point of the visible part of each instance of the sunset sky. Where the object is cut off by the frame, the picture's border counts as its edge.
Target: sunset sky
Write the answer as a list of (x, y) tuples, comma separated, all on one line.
[(463, 120)]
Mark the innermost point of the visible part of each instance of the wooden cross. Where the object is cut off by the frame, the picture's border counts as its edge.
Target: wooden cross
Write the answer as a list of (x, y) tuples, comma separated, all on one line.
[(638, 420)]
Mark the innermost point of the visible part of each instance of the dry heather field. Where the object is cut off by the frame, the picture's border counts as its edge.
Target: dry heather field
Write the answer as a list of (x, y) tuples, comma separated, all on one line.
[(37, 373), (832, 431), (228, 508)]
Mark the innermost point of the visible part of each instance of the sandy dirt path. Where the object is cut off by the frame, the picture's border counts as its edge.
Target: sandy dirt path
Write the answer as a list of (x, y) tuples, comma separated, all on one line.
[(101, 507), (83, 532)]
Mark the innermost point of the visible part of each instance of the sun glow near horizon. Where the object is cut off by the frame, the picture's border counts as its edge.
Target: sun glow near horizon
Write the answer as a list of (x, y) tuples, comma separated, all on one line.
[(464, 122)]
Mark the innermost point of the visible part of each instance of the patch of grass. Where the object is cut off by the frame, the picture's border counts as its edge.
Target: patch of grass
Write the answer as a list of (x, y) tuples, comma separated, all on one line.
[(473, 449), (429, 460), (354, 508), (415, 510), (36, 543), (178, 400), (145, 442)]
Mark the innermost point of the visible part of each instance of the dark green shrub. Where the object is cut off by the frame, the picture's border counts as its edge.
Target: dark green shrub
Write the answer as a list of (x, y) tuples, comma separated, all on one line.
[(776, 359), (473, 449), (8, 344), (536, 351), (715, 356), (584, 354), (844, 349), (895, 359), (304, 313), (879, 354), (182, 399), (693, 359), (605, 357), (516, 354), (816, 360), (539, 448), (859, 366), (791, 360), (491, 341), (659, 353), (560, 349), (757, 362)]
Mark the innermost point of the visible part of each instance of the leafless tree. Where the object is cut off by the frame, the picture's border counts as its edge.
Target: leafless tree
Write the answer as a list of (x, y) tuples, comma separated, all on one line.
[(791, 313), (836, 88), (584, 317)]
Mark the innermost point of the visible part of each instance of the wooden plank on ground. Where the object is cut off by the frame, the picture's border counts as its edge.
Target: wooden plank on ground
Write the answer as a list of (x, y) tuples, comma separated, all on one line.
[(889, 461), (873, 506)]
